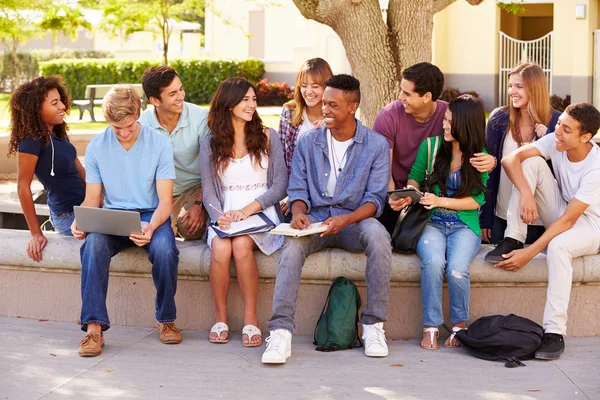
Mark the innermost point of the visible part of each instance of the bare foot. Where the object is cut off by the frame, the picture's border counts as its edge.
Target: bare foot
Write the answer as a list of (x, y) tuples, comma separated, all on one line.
[(430, 336), (219, 334), (451, 341), (251, 331)]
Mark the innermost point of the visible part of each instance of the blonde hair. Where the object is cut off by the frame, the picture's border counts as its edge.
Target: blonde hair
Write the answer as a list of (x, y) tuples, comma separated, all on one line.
[(120, 103), (315, 68), (539, 107)]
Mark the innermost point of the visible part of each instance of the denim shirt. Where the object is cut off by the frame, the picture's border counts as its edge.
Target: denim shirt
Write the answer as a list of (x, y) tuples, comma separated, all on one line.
[(364, 179)]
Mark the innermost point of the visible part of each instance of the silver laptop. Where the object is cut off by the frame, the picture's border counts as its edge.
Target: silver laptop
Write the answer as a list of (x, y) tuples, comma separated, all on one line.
[(109, 222)]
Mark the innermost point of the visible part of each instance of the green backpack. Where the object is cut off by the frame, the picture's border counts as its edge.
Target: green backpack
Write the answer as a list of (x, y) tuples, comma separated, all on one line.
[(337, 328)]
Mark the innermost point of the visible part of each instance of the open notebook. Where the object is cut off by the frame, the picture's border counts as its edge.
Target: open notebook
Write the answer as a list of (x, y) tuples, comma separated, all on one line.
[(256, 223), (285, 229)]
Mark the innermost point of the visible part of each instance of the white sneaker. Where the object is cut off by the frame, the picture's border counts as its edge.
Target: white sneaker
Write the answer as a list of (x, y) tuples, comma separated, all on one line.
[(374, 338), (279, 347)]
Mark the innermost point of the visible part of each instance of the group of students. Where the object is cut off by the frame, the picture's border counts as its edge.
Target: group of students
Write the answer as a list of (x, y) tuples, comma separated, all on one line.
[(186, 169)]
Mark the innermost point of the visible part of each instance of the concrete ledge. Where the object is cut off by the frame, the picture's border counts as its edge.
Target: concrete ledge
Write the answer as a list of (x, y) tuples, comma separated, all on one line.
[(50, 289)]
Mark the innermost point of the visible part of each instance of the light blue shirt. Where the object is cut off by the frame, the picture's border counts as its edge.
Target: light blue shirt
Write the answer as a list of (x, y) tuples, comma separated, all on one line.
[(185, 139), (364, 178), (129, 176)]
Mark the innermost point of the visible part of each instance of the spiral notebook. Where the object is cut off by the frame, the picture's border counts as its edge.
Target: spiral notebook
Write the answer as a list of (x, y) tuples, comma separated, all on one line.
[(256, 223)]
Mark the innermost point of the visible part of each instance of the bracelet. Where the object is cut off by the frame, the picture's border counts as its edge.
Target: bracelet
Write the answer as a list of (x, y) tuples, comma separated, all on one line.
[(245, 213), (495, 164)]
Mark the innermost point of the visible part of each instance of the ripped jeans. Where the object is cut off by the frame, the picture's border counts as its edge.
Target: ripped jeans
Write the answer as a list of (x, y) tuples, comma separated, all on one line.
[(449, 247)]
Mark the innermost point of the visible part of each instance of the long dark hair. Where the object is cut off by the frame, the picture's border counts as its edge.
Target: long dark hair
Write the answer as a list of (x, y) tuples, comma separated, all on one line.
[(468, 129), (228, 95), (26, 111)]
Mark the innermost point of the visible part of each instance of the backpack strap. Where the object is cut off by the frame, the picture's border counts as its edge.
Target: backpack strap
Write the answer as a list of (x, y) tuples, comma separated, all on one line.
[(430, 159), (323, 313)]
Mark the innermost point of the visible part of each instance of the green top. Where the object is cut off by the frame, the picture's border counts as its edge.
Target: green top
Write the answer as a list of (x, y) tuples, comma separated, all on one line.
[(418, 171)]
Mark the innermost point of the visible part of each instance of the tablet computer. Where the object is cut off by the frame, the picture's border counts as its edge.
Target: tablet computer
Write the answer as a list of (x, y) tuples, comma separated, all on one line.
[(107, 221), (414, 194)]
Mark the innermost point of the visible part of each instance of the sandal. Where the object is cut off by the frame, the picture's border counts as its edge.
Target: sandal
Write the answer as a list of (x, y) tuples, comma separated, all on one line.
[(218, 328), (434, 333), (455, 330), (251, 331)]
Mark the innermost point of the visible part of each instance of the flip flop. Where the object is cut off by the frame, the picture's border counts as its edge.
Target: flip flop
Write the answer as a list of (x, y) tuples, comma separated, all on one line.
[(455, 330), (218, 328), (434, 333), (251, 331)]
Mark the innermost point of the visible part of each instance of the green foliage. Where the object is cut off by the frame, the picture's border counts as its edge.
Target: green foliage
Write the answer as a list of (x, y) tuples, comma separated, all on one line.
[(199, 77), (512, 7), (61, 17), (28, 66), (47, 55)]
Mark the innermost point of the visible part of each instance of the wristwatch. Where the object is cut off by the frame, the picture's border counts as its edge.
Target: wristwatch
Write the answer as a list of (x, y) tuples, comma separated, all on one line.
[(198, 203)]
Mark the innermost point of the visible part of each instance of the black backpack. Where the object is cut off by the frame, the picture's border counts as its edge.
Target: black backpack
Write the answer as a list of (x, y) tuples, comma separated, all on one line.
[(337, 328), (509, 338)]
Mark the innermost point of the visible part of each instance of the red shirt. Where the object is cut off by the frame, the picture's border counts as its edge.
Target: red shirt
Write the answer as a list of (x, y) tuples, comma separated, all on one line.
[(405, 134)]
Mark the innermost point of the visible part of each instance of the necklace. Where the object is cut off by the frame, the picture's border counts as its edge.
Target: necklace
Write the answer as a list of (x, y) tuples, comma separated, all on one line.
[(334, 157)]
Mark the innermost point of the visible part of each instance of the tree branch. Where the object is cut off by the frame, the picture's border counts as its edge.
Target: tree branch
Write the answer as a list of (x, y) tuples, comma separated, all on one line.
[(439, 5)]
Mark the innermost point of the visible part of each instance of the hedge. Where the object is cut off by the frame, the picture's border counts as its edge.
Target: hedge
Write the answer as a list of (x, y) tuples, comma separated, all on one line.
[(199, 77)]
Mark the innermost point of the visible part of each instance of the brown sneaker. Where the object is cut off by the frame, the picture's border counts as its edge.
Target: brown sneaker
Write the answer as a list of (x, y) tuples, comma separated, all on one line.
[(168, 333), (91, 345)]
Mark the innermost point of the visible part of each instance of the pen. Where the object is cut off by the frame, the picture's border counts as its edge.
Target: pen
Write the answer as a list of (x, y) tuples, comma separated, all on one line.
[(217, 210)]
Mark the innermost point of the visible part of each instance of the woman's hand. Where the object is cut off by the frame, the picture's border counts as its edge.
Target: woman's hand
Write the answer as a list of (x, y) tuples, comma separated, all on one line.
[(35, 246), (430, 201), (540, 130), (236, 215), (224, 222)]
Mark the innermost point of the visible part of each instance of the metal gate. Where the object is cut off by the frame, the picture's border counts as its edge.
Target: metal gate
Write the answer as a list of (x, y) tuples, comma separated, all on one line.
[(514, 52)]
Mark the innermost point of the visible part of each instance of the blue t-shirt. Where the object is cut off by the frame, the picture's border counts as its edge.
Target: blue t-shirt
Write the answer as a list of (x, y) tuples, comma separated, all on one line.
[(129, 176), (65, 189)]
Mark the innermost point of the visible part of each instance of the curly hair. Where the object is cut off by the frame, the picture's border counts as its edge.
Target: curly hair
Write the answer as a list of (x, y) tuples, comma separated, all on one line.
[(228, 95), (25, 111)]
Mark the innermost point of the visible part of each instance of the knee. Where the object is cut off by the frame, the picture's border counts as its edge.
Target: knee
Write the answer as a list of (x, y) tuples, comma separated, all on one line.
[(433, 263), (242, 246), (557, 247), (458, 275), (95, 242), (534, 163), (221, 250), (295, 246), (374, 233)]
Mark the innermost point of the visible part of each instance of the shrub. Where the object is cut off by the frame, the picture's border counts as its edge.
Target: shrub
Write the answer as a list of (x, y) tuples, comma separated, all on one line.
[(29, 71), (558, 103), (273, 93), (199, 77), (47, 55), (450, 94)]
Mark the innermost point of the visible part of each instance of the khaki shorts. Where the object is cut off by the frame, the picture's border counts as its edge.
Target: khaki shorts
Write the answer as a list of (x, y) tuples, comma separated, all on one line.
[(181, 204)]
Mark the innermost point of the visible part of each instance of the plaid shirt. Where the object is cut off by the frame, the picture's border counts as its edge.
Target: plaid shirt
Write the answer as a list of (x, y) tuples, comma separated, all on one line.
[(288, 134)]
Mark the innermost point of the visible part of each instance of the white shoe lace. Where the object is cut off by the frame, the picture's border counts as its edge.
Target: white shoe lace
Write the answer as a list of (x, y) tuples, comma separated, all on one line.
[(375, 335), (275, 341)]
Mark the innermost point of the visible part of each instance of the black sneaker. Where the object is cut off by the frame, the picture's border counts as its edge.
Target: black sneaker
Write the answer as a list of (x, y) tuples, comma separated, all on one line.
[(504, 246), (552, 347)]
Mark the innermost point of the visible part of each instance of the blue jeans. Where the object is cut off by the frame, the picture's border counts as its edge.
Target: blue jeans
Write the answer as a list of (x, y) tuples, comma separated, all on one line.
[(449, 247), (367, 236), (96, 253), (62, 222)]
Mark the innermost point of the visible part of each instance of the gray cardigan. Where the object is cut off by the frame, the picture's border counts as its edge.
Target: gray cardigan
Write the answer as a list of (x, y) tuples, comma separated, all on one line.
[(277, 178)]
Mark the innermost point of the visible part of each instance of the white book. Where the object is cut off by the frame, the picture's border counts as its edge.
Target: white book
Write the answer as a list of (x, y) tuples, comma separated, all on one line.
[(287, 230)]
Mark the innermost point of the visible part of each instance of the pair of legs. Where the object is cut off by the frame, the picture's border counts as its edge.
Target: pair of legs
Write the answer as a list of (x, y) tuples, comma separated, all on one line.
[(62, 221), (445, 247), (96, 253), (181, 204), (499, 227), (582, 239), (241, 247), (367, 236)]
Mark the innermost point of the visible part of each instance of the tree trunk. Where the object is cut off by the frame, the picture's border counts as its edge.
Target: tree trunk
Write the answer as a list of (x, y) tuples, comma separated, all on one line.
[(379, 50)]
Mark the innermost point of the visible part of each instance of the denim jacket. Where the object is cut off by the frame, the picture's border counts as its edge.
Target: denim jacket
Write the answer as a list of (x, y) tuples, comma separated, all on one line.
[(364, 179)]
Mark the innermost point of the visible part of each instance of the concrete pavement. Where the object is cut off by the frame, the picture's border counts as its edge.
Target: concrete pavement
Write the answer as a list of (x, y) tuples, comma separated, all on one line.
[(38, 360)]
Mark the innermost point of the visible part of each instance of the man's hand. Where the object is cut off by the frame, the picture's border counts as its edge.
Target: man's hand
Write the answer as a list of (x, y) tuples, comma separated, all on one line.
[(35, 246), (528, 208), (430, 201), (144, 238), (335, 225), (78, 234), (515, 260), (399, 204), (285, 209), (300, 221), (236, 215), (482, 162), (194, 217), (540, 130), (486, 235)]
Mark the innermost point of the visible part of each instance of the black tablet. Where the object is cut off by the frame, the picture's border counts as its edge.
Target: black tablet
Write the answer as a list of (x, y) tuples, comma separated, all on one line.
[(413, 193)]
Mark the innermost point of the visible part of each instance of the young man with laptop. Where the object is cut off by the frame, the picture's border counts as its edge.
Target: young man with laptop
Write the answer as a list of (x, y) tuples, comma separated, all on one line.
[(133, 166)]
